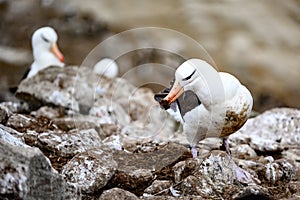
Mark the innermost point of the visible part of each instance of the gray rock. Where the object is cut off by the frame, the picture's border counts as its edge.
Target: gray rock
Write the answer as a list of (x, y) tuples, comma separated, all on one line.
[(272, 131), (13, 107), (243, 151), (113, 142), (158, 187), (3, 115), (13, 132), (117, 194), (106, 130), (48, 112), (21, 122), (278, 172), (207, 175), (27, 174), (109, 112), (5, 135), (293, 154), (78, 122), (52, 86), (136, 170), (68, 144), (91, 170), (24, 122), (252, 192), (29, 126)]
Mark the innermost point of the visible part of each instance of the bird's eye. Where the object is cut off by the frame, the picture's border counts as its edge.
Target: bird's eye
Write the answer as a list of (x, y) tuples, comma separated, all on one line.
[(45, 39), (190, 76)]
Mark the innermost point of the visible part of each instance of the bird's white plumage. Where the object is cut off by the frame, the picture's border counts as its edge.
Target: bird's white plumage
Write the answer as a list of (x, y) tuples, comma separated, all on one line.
[(175, 114), (225, 103), (43, 40), (107, 67)]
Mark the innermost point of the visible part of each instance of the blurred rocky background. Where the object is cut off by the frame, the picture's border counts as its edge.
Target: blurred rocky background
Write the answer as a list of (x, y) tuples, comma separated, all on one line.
[(258, 41)]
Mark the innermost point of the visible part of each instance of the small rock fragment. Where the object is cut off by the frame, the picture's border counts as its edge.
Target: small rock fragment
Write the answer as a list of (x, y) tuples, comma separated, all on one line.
[(243, 151), (158, 187)]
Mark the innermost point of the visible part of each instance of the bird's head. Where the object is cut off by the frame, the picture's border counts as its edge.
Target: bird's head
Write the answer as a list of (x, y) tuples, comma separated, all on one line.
[(185, 75), (44, 40)]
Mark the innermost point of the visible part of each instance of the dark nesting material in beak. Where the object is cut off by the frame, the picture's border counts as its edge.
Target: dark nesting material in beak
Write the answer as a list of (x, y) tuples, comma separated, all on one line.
[(159, 97), (186, 102), (164, 104)]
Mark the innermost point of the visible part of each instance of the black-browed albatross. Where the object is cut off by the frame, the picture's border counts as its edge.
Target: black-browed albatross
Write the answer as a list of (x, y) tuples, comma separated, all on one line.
[(45, 51), (211, 104)]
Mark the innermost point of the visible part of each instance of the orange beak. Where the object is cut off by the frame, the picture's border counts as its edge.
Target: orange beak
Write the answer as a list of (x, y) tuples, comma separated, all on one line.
[(175, 92), (54, 49)]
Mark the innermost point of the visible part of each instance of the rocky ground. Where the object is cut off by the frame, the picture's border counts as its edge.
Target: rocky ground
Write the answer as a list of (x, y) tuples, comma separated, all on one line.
[(256, 40), (75, 135)]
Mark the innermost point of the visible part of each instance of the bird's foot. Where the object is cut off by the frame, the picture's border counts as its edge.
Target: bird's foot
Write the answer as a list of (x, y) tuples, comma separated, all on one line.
[(194, 152), (174, 192), (243, 176)]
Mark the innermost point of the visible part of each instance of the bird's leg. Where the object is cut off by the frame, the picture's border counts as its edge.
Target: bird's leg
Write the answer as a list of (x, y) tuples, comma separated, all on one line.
[(194, 151), (241, 174)]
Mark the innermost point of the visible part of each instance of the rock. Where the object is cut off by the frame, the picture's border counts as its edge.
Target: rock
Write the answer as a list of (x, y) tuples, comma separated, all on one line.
[(113, 142), (14, 107), (293, 155), (109, 112), (106, 130), (294, 187), (27, 174), (91, 170), (158, 187), (68, 144), (52, 86), (277, 172), (3, 115), (9, 138), (79, 122), (136, 171), (48, 112), (12, 132), (116, 194), (24, 123), (208, 175), (243, 151), (252, 192), (272, 131)]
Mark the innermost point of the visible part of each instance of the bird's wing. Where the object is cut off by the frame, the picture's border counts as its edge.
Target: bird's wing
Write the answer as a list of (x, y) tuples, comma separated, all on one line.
[(187, 102)]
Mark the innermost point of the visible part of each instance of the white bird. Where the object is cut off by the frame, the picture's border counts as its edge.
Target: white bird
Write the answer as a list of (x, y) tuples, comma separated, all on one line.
[(107, 67), (45, 50), (224, 104)]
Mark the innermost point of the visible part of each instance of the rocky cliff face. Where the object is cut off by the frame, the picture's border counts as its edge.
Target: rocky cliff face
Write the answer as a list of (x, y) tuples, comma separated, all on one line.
[(118, 144)]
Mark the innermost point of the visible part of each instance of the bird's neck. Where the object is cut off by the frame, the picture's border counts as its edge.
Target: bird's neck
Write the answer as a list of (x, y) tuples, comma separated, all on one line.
[(44, 58), (210, 95)]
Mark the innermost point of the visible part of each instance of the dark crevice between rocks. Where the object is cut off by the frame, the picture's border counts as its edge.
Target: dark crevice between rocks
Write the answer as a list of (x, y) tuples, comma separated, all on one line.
[(275, 154), (250, 196)]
